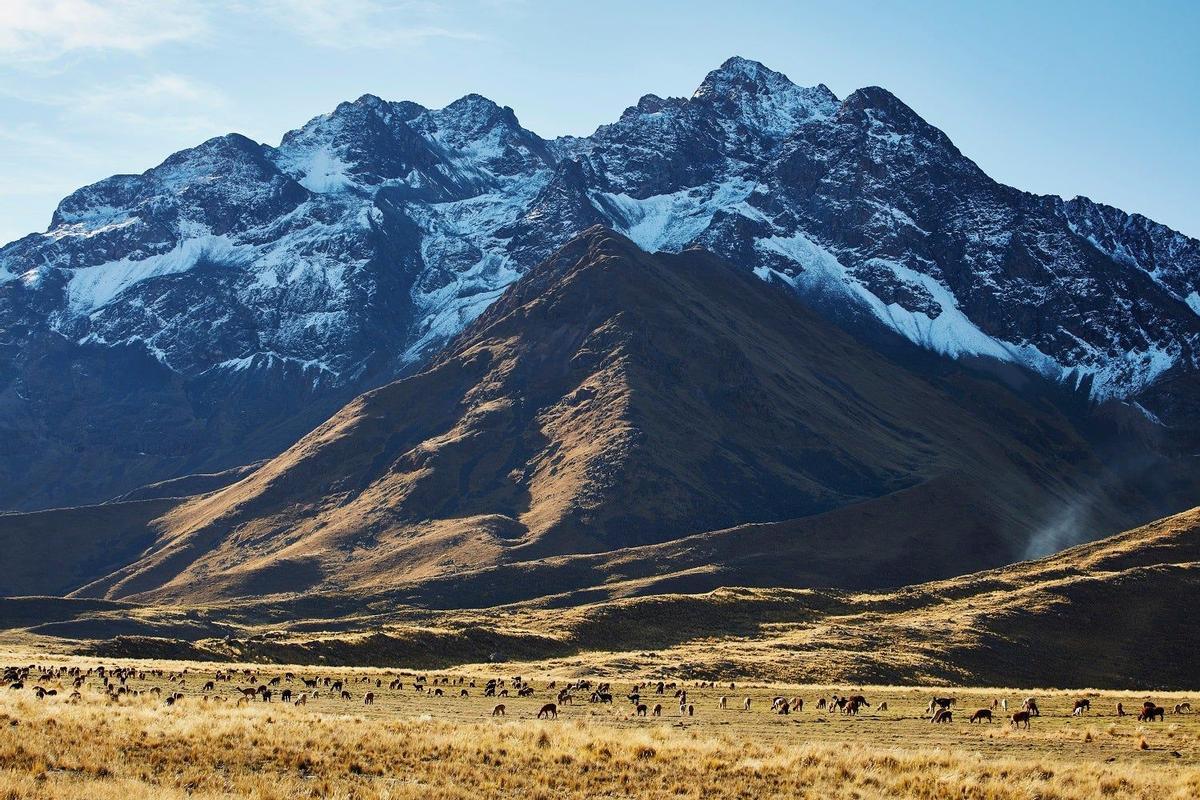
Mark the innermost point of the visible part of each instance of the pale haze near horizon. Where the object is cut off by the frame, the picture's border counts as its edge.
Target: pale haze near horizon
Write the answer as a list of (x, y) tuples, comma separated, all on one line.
[(1098, 99)]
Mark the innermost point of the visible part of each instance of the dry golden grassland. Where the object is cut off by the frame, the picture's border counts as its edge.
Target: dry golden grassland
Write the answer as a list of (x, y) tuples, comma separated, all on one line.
[(414, 744)]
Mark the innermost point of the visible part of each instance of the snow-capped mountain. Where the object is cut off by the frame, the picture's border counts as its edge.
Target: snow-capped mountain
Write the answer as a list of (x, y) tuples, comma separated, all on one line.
[(279, 281)]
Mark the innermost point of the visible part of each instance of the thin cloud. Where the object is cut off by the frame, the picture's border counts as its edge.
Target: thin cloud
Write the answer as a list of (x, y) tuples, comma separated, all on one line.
[(344, 24), (165, 101), (41, 31)]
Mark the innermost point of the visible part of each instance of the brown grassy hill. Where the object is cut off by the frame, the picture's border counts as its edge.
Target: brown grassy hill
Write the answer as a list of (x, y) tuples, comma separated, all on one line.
[(1113, 613), (1118, 613), (614, 399), (934, 529)]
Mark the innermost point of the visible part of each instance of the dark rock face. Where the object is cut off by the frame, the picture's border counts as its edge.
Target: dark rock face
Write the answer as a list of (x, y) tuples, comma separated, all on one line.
[(240, 292)]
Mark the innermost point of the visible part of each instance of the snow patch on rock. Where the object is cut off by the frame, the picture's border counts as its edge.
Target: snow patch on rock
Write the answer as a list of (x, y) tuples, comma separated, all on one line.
[(951, 333), (671, 221), (320, 171), (91, 288)]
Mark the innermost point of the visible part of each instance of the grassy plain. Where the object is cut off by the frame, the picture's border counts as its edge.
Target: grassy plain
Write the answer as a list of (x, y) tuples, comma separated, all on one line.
[(411, 743)]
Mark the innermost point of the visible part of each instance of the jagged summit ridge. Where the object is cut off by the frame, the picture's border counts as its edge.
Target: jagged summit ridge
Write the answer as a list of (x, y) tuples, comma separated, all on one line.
[(372, 234), (762, 99)]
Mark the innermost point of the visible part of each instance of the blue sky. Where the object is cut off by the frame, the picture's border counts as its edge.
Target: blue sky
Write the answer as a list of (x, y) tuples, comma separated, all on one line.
[(1094, 98)]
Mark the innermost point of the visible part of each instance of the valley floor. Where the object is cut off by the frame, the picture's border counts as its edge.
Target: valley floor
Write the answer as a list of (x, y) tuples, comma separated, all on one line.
[(412, 743)]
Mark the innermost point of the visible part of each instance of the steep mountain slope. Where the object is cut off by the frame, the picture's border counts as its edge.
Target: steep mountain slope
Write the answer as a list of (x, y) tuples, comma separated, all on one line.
[(934, 529), (206, 313), (614, 398)]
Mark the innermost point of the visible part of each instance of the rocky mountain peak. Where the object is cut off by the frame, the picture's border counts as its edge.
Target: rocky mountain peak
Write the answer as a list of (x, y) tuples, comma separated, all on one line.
[(474, 115), (765, 101), (475, 132), (877, 107), (652, 104), (742, 76), (374, 103)]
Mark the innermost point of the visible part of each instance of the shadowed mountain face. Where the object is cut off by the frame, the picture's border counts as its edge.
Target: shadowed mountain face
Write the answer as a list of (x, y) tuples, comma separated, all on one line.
[(1088, 616), (210, 311), (614, 398)]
